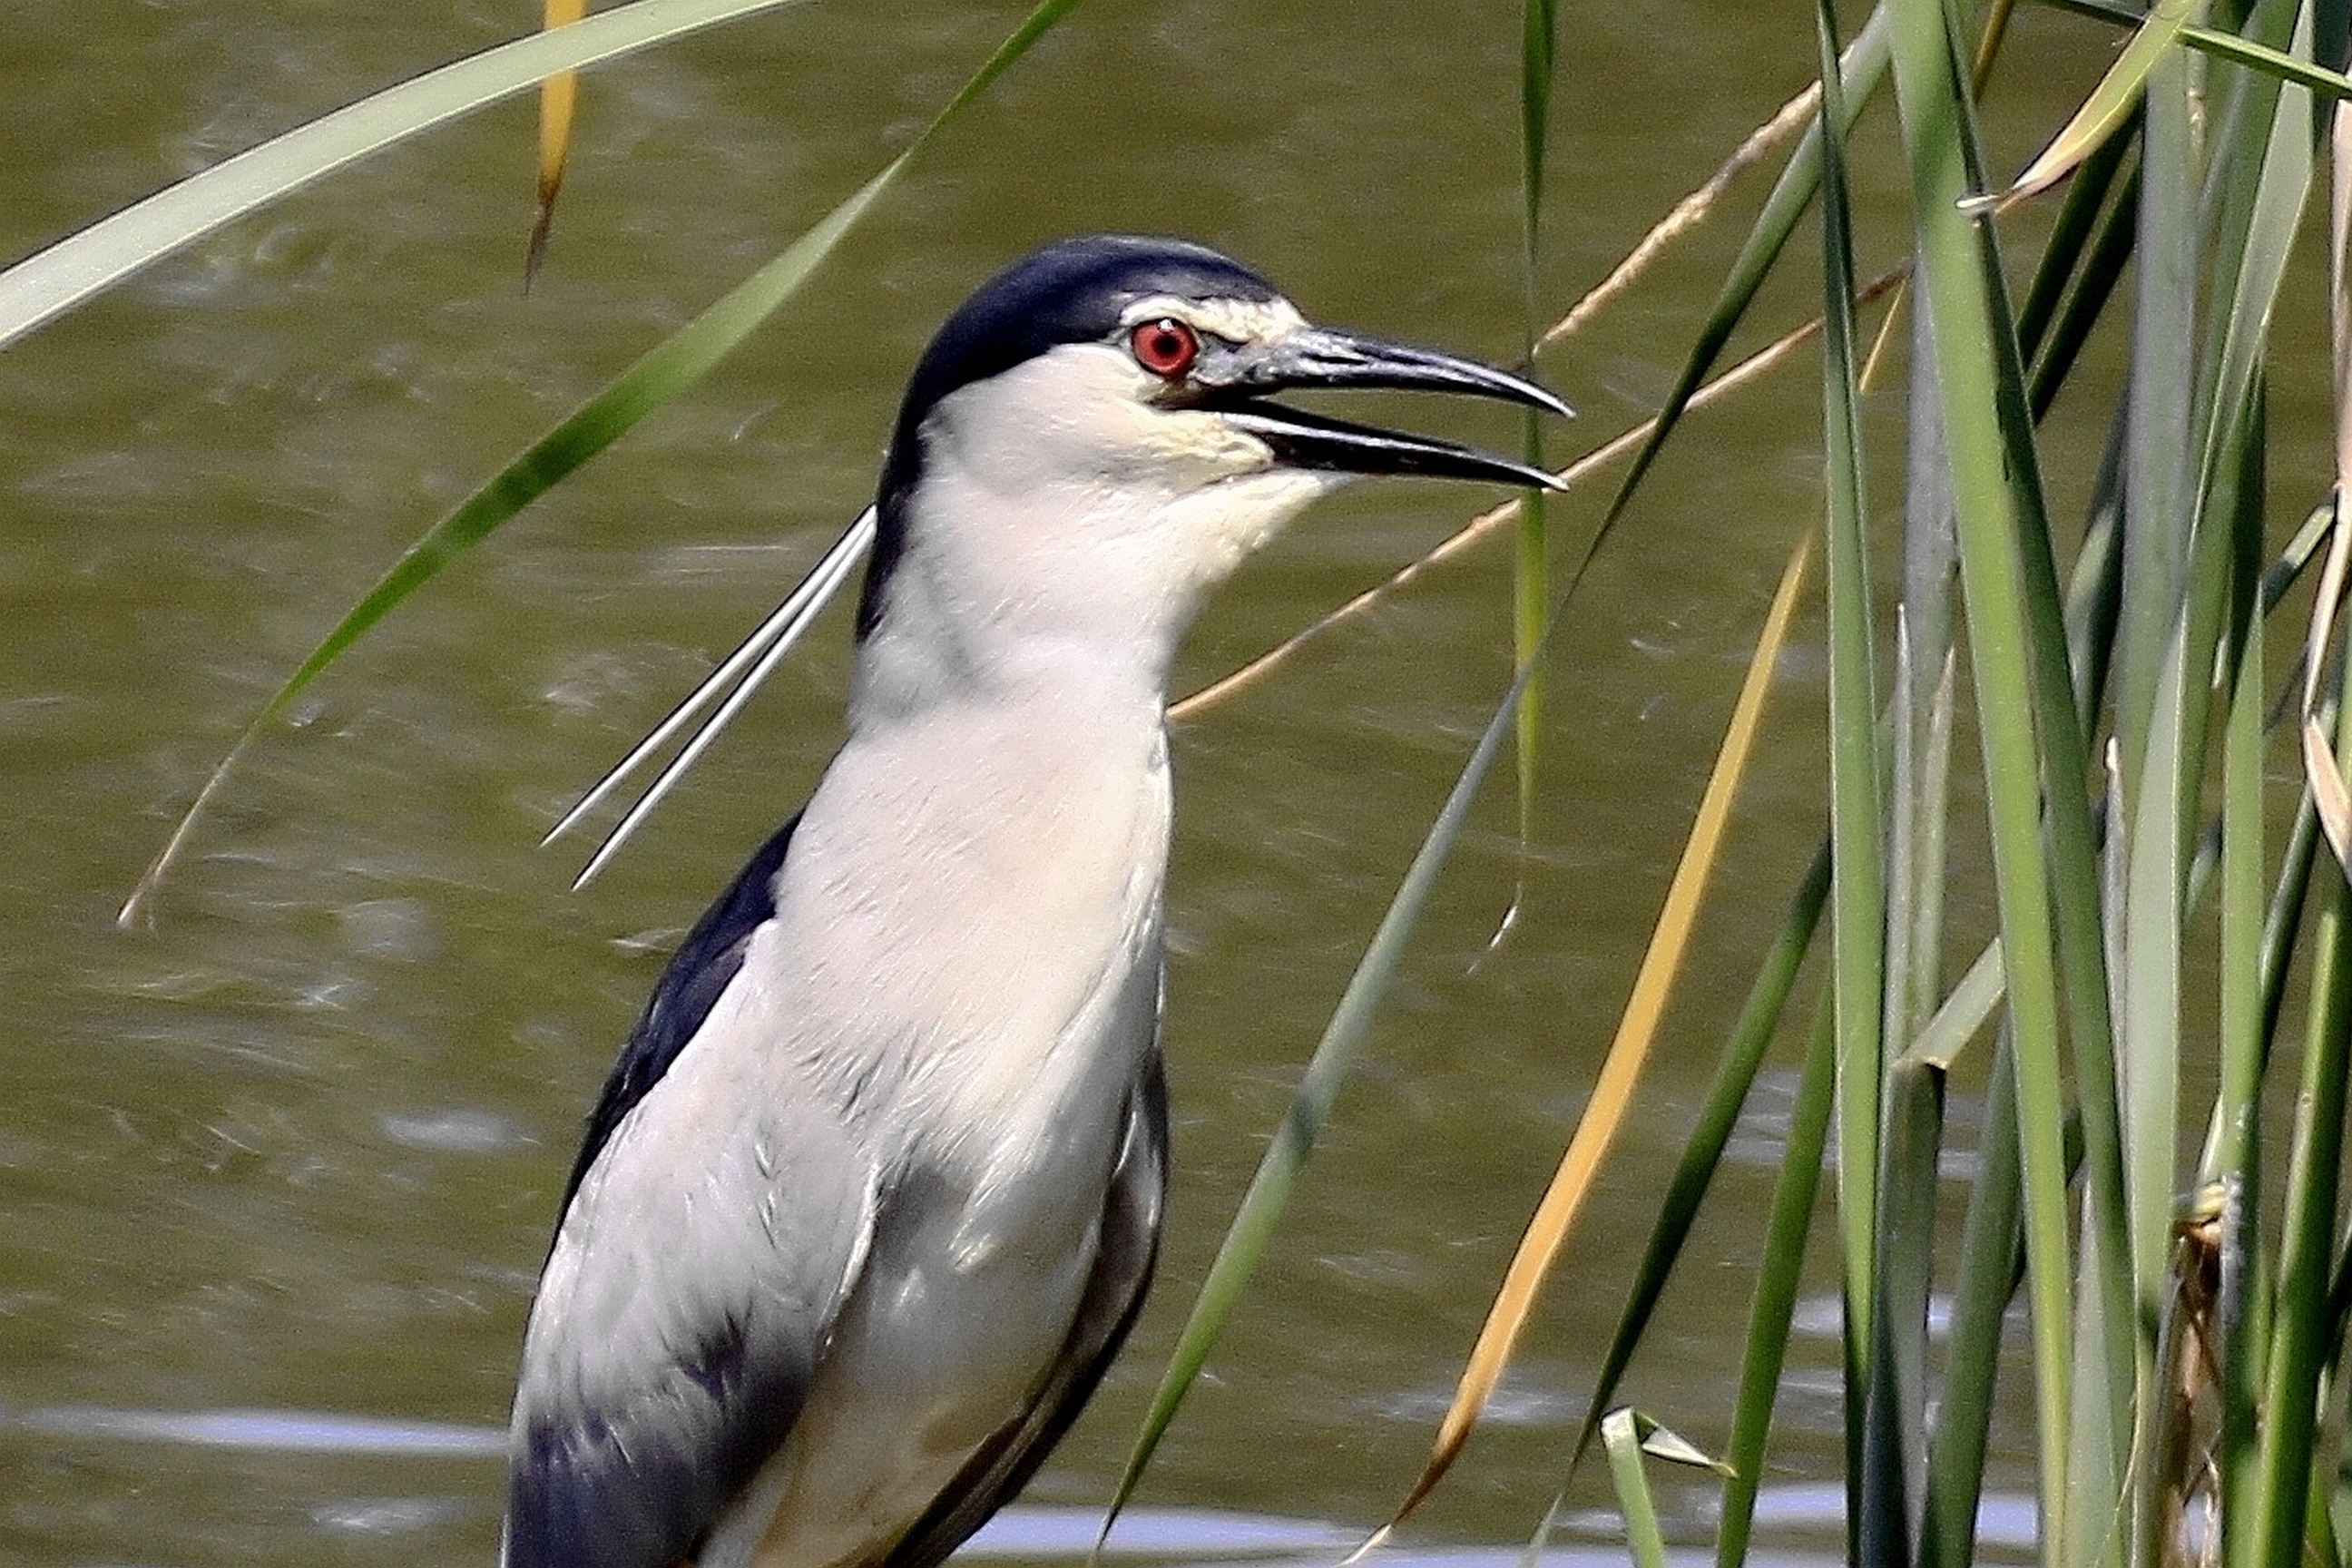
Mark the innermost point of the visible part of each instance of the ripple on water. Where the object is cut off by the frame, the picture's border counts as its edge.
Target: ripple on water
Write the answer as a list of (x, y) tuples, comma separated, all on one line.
[(457, 1130), (385, 1515)]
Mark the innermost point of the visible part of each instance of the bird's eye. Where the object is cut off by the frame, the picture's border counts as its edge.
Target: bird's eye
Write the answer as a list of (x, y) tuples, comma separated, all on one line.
[(1166, 347)]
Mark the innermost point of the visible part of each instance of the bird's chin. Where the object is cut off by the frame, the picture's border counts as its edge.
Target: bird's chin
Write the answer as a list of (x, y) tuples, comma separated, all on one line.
[(1234, 517)]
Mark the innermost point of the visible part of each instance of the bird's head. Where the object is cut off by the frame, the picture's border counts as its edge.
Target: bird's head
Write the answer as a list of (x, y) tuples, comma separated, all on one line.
[(1088, 445)]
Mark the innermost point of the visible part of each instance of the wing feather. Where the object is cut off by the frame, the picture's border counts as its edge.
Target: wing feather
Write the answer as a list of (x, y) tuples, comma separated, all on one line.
[(689, 1287), (676, 1334), (698, 974)]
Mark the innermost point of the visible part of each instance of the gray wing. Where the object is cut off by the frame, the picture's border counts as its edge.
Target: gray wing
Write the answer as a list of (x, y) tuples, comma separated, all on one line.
[(1129, 1247), (693, 980), (702, 1259)]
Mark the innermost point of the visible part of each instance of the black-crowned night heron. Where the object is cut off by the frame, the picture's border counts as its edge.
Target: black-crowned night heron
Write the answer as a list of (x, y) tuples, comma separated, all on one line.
[(873, 1192)]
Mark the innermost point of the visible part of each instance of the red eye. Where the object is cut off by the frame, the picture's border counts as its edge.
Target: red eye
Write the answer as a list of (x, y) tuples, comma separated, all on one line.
[(1166, 347)]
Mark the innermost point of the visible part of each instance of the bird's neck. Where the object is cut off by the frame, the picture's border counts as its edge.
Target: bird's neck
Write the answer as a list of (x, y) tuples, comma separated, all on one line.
[(992, 604), (1031, 682), (934, 649)]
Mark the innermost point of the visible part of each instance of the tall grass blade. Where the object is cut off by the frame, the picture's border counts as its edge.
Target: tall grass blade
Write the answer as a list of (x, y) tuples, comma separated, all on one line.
[(2062, 696), (2323, 775), (2097, 1522), (1991, 1259), (1630, 1438), (2284, 921), (2096, 583), (1922, 715), (2333, 85), (2297, 1343), (2263, 173), (1620, 1436), (53, 281), (2234, 1155), (1780, 1269), (1857, 880), (1913, 886), (1531, 578), (2223, 45), (2158, 511), (1894, 1422), (2149, 918), (1956, 276), (1964, 1011), (2103, 270), (2075, 236), (1531, 591)]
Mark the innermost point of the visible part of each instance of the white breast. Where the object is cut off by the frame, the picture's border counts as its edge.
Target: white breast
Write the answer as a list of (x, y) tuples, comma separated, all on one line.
[(1013, 898)]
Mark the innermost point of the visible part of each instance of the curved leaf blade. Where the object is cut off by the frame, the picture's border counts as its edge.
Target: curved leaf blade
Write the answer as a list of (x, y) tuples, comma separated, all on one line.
[(51, 281), (2111, 103), (657, 377)]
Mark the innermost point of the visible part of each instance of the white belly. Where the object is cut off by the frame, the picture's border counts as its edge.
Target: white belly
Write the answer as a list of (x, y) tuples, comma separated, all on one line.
[(963, 1305)]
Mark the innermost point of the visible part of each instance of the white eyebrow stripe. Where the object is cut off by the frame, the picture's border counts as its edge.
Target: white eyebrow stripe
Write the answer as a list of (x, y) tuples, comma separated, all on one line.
[(1235, 321)]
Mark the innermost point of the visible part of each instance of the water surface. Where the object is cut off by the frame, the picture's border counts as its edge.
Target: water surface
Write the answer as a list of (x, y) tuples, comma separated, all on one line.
[(279, 1172)]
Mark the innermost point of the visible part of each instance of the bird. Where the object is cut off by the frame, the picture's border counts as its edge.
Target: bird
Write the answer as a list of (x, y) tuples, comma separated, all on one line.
[(873, 1192)]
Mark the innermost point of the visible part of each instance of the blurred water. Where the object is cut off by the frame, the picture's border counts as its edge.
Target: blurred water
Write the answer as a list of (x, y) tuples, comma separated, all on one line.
[(1026, 1531), (298, 1148)]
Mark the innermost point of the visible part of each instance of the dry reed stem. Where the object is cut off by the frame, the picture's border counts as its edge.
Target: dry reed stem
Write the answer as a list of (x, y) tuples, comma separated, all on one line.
[(1487, 523), (1688, 213)]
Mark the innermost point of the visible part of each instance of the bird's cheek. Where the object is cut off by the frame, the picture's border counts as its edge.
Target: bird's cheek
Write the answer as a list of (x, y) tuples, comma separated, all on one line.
[(1194, 449)]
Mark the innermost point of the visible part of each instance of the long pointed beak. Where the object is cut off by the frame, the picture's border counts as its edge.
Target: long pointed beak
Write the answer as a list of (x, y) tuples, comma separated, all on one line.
[(1315, 358)]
